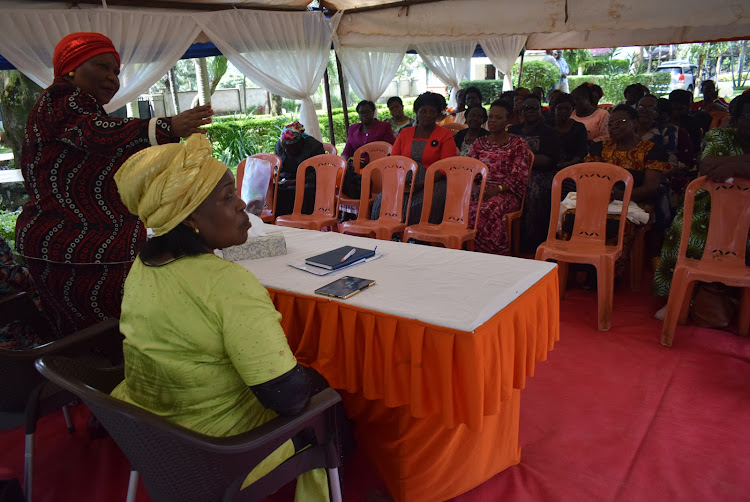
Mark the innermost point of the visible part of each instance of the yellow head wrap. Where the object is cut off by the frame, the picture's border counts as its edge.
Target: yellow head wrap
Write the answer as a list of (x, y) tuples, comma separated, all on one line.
[(164, 184)]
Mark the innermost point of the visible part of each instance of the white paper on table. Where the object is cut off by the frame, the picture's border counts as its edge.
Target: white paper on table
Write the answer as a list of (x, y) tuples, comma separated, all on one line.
[(301, 265)]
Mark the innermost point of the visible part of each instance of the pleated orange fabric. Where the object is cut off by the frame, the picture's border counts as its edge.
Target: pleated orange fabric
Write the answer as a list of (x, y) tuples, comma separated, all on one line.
[(419, 391)]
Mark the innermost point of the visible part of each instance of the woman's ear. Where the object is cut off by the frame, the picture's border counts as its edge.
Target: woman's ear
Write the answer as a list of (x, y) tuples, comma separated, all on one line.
[(190, 223)]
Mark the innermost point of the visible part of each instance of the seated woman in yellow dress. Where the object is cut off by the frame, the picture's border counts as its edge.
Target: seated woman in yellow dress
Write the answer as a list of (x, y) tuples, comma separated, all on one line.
[(204, 347)]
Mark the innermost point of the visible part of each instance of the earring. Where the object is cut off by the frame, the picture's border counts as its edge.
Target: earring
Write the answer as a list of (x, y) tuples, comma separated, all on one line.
[(196, 230), (71, 74)]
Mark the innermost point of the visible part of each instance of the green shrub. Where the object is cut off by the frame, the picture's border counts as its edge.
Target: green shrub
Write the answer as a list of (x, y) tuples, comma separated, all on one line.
[(234, 138), (8, 226), (614, 85), (537, 74), (490, 89), (607, 67)]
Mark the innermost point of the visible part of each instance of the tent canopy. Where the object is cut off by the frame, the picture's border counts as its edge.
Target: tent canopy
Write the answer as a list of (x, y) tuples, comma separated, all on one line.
[(548, 24)]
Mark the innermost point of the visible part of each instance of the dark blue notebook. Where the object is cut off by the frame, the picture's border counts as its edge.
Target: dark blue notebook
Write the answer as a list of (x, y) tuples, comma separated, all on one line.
[(340, 257)]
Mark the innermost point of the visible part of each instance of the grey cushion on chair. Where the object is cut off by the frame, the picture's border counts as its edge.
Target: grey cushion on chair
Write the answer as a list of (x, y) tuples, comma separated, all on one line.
[(176, 463)]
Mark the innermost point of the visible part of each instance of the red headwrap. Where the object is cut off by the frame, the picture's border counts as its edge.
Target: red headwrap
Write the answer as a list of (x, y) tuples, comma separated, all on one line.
[(77, 48)]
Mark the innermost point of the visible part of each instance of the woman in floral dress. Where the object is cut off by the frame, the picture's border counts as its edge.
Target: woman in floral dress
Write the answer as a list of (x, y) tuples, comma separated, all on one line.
[(507, 159)]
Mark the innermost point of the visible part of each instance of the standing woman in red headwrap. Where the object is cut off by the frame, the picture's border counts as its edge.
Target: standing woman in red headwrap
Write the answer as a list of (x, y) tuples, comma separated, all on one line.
[(78, 238)]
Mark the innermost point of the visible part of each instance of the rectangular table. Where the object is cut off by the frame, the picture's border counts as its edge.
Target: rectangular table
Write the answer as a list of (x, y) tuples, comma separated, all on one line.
[(430, 360)]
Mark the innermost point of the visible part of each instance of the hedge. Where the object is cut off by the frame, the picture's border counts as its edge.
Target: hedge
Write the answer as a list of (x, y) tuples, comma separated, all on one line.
[(235, 138), (614, 85), (606, 67), (490, 89), (537, 74)]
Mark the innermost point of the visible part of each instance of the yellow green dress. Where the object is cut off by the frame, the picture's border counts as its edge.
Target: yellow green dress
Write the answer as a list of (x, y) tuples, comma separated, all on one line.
[(199, 331)]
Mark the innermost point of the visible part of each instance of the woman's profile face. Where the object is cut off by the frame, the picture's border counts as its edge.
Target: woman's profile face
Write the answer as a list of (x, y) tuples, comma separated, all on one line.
[(497, 119), (99, 76), (221, 218)]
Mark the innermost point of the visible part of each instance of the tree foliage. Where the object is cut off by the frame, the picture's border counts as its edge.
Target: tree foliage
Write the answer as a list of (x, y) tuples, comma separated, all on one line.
[(537, 74)]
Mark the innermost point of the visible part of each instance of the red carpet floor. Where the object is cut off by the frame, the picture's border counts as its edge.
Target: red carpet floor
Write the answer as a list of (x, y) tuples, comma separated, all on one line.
[(608, 417)]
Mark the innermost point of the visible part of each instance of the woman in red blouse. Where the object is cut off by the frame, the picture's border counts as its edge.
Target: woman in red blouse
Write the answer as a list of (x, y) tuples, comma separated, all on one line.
[(78, 239), (424, 143)]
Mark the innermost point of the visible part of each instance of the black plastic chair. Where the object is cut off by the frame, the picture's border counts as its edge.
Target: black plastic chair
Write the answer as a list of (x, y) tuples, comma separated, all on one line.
[(179, 464), (26, 396)]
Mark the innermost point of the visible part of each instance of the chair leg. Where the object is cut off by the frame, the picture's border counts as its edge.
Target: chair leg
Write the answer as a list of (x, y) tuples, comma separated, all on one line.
[(68, 422), (28, 466), (743, 320), (605, 285), (334, 484), (687, 299), (132, 486), (636, 259), (678, 305), (562, 273), (515, 232)]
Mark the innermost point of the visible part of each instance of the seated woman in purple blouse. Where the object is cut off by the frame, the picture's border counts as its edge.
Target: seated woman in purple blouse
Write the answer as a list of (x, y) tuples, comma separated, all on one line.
[(368, 130)]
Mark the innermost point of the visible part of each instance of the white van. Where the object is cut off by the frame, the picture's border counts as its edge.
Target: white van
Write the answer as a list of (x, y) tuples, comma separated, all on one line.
[(684, 76)]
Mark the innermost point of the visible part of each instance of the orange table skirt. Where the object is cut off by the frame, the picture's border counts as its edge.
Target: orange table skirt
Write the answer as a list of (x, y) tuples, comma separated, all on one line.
[(424, 384)]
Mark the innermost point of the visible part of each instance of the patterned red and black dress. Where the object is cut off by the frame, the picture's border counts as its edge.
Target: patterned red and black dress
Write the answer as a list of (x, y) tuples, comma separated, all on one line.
[(78, 238), (507, 164)]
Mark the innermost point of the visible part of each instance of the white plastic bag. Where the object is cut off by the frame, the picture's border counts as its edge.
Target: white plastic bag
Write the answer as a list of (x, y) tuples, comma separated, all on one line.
[(255, 184)]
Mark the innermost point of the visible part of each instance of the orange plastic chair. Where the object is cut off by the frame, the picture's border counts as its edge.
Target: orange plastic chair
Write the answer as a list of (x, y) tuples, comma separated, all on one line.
[(329, 148), (373, 151), (393, 172), (513, 219), (329, 171), (269, 208), (454, 231), (454, 128), (723, 257), (587, 244), (718, 119)]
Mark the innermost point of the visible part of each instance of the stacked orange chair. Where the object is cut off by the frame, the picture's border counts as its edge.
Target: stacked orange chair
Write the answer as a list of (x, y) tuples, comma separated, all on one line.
[(329, 148), (723, 257), (455, 229), (269, 208), (374, 151), (587, 244), (329, 171), (392, 172), (513, 219)]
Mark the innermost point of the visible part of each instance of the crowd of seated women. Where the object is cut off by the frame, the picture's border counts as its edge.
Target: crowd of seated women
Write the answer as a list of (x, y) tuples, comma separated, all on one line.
[(213, 341)]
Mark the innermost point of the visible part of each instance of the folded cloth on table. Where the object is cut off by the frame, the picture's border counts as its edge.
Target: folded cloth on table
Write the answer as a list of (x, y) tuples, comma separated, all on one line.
[(259, 244), (635, 214)]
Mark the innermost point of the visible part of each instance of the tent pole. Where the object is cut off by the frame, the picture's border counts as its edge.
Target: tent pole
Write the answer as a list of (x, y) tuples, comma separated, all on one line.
[(342, 86), (520, 67), (327, 88)]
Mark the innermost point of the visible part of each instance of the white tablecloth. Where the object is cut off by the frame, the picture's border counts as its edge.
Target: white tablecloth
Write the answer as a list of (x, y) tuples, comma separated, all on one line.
[(444, 287)]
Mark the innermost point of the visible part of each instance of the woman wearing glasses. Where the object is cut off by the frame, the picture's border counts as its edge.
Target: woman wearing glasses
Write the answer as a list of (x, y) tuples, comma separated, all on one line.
[(646, 161)]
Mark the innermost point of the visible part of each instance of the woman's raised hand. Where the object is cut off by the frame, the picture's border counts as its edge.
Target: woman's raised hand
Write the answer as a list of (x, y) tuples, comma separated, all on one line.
[(188, 122)]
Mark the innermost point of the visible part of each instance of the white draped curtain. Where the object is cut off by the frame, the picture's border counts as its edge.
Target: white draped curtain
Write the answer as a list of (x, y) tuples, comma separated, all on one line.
[(149, 43), (286, 53), (449, 61), (503, 52), (370, 70)]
